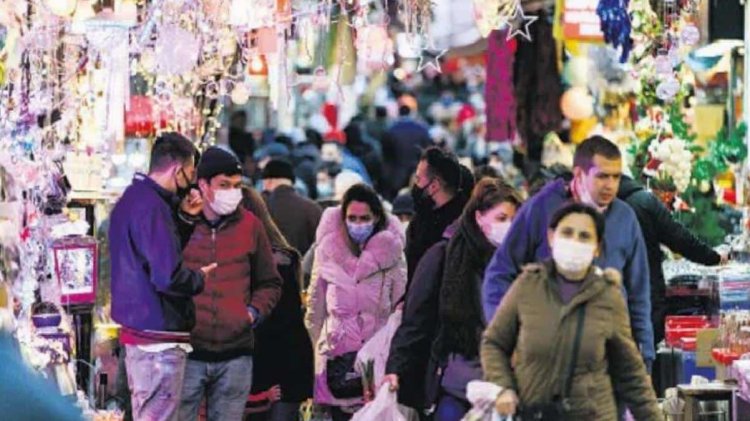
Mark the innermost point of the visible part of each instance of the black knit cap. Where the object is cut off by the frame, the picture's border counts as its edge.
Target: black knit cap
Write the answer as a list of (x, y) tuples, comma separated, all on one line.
[(215, 161), (278, 168)]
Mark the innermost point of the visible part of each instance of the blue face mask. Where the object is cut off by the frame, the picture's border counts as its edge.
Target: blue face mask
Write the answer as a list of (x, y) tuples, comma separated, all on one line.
[(360, 233), (325, 190)]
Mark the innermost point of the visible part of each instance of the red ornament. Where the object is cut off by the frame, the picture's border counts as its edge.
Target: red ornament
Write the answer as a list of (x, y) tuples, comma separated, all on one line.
[(139, 118)]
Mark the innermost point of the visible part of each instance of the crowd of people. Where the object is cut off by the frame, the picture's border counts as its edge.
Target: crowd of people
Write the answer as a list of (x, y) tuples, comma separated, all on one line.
[(247, 279)]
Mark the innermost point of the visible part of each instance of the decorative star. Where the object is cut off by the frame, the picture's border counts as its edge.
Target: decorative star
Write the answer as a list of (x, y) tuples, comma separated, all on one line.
[(516, 21), (430, 57)]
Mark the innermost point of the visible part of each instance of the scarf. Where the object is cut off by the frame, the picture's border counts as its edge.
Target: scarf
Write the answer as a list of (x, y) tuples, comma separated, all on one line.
[(460, 312)]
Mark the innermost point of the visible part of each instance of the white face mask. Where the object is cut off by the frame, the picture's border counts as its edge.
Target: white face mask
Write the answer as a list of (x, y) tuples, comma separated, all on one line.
[(498, 231), (572, 256), (585, 197), (226, 201)]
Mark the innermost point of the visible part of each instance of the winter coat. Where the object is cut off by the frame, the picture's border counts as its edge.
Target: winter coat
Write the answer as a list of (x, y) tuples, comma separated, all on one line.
[(427, 228), (412, 342), (536, 331), (244, 281), (151, 290), (283, 352), (346, 311), (623, 250), (297, 217), (659, 228), (403, 143)]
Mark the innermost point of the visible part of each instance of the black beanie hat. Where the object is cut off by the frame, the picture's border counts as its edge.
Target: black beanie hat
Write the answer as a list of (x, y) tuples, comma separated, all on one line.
[(215, 161), (278, 168)]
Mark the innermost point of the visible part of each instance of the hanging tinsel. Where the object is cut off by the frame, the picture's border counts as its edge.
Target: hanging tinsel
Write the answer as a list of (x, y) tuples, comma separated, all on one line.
[(615, 24)]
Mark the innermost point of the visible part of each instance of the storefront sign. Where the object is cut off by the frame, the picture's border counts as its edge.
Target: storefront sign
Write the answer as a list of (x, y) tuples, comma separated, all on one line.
[(580, 21)]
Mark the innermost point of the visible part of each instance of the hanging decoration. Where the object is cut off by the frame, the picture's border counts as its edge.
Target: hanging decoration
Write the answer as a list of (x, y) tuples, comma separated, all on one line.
[(616, 26)]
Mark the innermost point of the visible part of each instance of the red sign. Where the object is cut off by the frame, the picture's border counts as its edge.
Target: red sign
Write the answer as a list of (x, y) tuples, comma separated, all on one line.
[(580, 21)]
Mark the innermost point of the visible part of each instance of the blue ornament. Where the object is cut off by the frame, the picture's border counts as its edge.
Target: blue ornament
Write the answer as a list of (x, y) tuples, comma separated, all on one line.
[(615, 24)]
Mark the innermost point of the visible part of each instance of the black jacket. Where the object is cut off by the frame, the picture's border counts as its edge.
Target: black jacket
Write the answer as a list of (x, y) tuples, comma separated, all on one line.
[(658, 227), (426, 229), (297, 217), (283, 351), (412, 343)]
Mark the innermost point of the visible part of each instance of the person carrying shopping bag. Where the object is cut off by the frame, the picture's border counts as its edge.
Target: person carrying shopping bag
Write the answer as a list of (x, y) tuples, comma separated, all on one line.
[(560, 344)]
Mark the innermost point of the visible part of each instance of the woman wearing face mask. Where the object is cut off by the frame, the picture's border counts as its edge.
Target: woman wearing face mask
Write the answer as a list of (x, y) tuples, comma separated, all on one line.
[(450, 298), (566, 329), (358, 275)]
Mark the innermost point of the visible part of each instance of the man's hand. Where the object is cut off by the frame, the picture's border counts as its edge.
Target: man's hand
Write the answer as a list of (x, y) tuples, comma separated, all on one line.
[(274, 394), (392, 380), (192, 204), (208, 269), (506, 403), (724, 258)]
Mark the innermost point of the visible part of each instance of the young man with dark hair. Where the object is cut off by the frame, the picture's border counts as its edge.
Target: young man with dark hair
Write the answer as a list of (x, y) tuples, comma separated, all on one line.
[(243, 290), (596, 179), (441, 188), (152, 293)]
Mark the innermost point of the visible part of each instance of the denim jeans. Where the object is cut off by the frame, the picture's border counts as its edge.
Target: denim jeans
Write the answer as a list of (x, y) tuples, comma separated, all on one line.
[(225, 386), (155, 380)]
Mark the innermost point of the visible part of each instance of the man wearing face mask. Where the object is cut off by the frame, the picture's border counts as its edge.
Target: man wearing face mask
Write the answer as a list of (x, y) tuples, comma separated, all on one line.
[(441, 189), (242, 290), (597, 168), (151, 289)]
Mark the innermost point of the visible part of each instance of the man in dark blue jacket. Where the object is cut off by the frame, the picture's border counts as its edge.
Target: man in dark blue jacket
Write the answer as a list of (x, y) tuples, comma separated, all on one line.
[(597, 169), (151, 290)]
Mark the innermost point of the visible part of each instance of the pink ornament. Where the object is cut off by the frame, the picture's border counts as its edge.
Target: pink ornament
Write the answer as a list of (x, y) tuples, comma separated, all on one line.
[(663, 65), (690, 35), (668, 89)]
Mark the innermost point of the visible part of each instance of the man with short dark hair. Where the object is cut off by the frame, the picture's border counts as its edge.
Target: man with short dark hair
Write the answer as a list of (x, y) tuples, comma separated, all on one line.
[(297, 217), (440, 191), (596, 179), (243, 289), (152, 293)]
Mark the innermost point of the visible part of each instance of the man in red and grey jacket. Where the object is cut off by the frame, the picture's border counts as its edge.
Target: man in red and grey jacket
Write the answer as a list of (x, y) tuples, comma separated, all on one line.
[(239, 293), (151, 289)]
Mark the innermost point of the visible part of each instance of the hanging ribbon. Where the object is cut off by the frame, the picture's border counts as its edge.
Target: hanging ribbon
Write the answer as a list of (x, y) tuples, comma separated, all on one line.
[(615, 24)]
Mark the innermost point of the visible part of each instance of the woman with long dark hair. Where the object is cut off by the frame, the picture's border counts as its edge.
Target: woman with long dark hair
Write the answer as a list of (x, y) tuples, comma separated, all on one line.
[(358, 275), (283, 357)]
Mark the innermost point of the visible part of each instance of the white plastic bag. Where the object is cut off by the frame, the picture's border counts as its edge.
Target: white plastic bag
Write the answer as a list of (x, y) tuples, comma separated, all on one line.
[(482, 396), (378, 347), (383, 408)]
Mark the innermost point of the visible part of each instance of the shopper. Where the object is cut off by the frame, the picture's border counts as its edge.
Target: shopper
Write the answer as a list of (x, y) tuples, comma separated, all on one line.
[(151, 290), (597, 169), (297, 217), (283, 358), (659, 229), (358, 275), (441, 189), (564, 326), (449, 297), (241, 292), (402, 143)]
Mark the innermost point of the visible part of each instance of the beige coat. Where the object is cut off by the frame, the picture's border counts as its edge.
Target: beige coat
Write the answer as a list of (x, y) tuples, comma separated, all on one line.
[(534, 324)]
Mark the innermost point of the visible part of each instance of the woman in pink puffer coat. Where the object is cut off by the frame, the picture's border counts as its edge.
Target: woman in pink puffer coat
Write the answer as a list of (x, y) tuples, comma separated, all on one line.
[(358, 276)]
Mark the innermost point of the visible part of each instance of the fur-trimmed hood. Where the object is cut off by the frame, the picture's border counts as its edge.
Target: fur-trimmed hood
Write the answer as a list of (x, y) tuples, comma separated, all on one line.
[(383, 251)]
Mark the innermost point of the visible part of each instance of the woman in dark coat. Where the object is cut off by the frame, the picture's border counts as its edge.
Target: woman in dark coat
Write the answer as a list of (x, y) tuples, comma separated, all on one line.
[(283, 352), (448, 304)]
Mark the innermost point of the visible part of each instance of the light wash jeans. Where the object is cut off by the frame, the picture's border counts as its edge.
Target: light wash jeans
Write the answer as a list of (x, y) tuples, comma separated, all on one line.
[(155, 380), (225, 386)]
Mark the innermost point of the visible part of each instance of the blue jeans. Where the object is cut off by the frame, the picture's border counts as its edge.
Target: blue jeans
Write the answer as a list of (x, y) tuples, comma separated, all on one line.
[(155, 380), (450, 408), (225, 386)]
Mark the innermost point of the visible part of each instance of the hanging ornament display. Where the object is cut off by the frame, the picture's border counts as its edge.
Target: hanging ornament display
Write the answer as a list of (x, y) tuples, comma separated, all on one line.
[(176, 50), (616, 26)]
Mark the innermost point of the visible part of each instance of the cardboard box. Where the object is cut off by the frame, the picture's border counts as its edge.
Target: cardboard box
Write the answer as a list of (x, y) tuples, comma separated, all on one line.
[(705, 342)]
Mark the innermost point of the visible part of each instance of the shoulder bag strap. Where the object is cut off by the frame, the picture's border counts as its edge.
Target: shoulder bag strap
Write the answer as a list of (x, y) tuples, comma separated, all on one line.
[(574, 357)]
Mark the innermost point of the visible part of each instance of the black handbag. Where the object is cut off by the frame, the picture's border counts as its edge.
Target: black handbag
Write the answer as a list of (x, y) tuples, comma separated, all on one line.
[(556, 410), (343, 380)]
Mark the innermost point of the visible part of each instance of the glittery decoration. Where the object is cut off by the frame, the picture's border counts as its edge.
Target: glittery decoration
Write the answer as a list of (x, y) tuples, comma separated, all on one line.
[(615, 24)]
